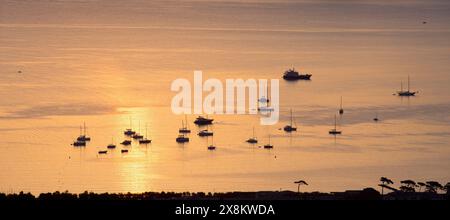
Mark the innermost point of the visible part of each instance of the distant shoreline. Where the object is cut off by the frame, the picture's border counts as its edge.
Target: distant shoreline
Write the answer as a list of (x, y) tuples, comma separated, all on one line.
[(365, 194)]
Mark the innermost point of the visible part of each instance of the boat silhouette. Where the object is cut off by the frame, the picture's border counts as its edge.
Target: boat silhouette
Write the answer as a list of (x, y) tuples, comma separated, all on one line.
[(129, 131), (145, 140), (334, 131), (184, 126), (182, 139), (126, 142), (136, 135), (292, 75), (290, 127), (79, 143), (203, 121), (405, 92), (211, 147), (268, 145), (204, 133), (253, 139), (83, 136)]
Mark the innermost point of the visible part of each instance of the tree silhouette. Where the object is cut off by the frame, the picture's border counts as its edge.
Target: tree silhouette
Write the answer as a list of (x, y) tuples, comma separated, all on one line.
[(300, 182), (447, 188), (433, 186), (421, 184), (385, 184), (408, 186)]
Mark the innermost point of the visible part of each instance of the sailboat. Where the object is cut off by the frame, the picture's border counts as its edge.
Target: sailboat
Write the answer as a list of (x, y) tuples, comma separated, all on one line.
[(290, 127), (184, 128), (126, 142), (112, 145), (253, 139), (211, 147), (136, 135), (206, 132), (129, 131), (182, 139), (79, 143), (83, 137), (341, 110), (268, 146), (405, 92), (334, 131), (145, 140)]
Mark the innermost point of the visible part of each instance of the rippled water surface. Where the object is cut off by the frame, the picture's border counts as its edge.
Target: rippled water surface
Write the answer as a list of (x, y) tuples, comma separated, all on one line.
[(102, 62)]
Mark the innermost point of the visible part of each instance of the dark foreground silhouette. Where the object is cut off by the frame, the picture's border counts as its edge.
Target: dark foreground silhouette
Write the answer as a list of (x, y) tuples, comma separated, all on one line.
[(365, 194)]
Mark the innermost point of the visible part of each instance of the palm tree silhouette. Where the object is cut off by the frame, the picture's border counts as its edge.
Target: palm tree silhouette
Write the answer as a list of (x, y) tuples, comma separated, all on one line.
[(385, 184), (300, 182)]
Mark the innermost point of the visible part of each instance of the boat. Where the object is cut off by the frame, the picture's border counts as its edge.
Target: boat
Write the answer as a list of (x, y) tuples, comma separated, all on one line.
[(211, 147), (292, 75), (79, 143), (182, 139), (145, 140), (124, 151), (126, 142), (253, 139), (405, 92), (376, 118), (204, 133), (102, 152), (268, 145), (341, 110), (266, 109), (184, 126), (203, 121), (290, 127), (136, 135), (129, 131), (334, 131), (83, 136), (111, 146)]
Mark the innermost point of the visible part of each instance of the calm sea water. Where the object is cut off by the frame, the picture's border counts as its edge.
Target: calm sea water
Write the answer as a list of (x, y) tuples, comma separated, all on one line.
[(102, 62)]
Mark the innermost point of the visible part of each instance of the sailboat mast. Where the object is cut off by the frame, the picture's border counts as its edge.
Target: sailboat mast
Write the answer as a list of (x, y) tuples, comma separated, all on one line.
[(401, 86), (408, 83), (84, 126), (291, 117), (253, 131), (334, 122)]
